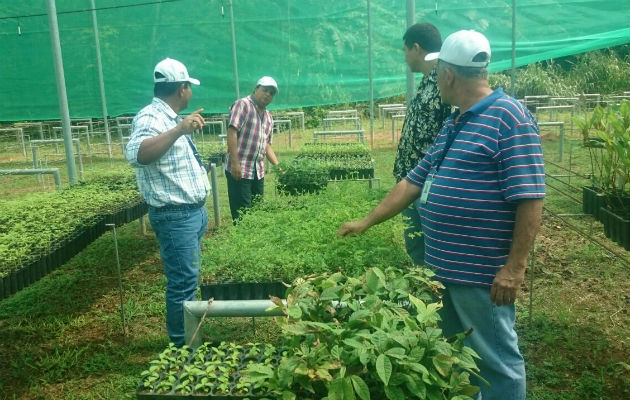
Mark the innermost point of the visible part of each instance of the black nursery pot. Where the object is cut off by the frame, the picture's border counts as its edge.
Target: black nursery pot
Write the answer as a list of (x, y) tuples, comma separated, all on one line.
[(617, 226), (592, 201)]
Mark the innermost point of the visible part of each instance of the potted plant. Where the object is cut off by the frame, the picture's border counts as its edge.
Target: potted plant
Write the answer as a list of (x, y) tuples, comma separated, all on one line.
[(370, 337), (606, 134)]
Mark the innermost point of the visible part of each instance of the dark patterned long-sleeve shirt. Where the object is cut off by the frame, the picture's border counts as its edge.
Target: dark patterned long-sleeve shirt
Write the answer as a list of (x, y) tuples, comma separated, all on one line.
[(425, 115)]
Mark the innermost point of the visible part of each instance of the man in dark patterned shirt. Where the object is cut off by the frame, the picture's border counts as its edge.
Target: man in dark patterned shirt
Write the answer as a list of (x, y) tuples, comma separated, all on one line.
[(425, 115)]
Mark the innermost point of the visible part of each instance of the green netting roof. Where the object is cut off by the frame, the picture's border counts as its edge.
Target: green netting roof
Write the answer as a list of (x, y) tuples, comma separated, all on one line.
[(316, 49)]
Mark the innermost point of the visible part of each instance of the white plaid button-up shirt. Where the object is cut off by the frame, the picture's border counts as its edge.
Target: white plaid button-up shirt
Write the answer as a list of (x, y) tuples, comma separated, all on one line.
[(176, 177)]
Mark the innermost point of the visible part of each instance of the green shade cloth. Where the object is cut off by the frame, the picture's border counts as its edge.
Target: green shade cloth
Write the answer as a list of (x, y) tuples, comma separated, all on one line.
[(315, 49)]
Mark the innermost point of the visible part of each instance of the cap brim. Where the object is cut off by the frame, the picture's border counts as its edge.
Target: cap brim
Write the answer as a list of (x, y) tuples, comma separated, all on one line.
[(193, 81), (431, 56)]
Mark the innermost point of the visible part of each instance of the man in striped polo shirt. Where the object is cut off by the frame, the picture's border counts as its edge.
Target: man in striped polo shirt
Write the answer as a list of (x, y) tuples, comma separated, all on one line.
[(249, 136), (480, 186)]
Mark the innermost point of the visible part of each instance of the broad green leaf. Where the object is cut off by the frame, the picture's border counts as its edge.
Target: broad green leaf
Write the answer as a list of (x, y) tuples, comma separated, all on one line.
[(323, 374), (353, 343), (335, 352), (330, 294), (379, 338), (335, 390), (360, 314), (397, 379), (360, 387), (348, 390), (384, 368), (396, 352), (371, 280), (364, 356), (417, 353), (286, 395), (394, 393), (294, 312), (416, 387)]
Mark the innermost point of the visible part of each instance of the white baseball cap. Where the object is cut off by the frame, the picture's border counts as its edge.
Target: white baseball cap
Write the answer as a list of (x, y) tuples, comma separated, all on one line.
[(267, 81), (466, 48), (172, 71)]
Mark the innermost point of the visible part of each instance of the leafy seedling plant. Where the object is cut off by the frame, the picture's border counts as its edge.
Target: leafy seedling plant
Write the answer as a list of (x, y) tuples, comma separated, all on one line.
[(374, 336)]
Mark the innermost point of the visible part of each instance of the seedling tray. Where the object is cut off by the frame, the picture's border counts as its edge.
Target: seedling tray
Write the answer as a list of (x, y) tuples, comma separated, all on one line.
[(242, 290), (209, 372)]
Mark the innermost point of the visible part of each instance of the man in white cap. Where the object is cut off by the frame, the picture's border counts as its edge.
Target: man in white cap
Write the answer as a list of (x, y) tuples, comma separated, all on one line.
[(480, 188), (249, 137), (174, 183)]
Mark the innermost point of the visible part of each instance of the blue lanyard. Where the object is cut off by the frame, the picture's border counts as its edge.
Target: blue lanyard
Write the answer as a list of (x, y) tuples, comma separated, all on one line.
[(450, 138), (194, 150)]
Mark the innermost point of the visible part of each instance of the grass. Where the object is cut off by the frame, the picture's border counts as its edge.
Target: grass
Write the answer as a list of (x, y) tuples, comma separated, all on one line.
[(62, 337)]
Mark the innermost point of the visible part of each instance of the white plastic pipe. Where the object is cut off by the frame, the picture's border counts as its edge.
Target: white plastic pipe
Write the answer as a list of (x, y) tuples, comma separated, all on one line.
[(38, 171), (194, 311)]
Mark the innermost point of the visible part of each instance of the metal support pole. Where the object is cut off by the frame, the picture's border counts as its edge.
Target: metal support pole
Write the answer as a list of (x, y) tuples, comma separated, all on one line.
[(34, 149), (234, 63), (290, 135), (101, 82), (61, 90), (532, 264), (371, 89), (120, 285), (143, 225), (411, 89), (77, 144), (513, 72), (215, 195)]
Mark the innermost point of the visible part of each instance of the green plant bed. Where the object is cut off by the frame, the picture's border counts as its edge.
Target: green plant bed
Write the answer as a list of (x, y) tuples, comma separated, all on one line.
[(352, 173), (300, 176), (297, 236), (332, 150), (208, 372)]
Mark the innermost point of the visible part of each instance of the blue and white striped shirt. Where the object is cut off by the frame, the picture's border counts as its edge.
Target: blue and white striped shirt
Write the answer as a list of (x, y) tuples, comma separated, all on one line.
[(176, 178), (494, 161)]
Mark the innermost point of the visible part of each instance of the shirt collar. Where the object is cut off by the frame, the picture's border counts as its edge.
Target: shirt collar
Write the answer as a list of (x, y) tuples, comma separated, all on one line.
[(163, 105), (484, 103), (430, 77), (481, 105)]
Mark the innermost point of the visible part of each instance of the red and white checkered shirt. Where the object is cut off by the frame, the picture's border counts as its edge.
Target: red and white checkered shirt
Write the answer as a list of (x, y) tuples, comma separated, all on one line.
[(254, 134)]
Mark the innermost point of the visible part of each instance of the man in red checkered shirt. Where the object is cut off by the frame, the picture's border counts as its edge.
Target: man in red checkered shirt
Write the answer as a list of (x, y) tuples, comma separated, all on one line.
[(249, 136)]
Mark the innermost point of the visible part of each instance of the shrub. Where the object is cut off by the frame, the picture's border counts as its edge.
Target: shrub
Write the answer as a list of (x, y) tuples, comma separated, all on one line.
[(374, 336)]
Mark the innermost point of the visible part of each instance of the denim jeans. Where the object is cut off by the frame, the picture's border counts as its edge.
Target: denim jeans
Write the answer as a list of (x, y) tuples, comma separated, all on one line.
[(493, 338), (413, 224), (179, 234)]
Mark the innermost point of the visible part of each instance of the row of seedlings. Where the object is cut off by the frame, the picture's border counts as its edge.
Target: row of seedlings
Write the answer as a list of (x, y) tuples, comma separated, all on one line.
[(211, 371)]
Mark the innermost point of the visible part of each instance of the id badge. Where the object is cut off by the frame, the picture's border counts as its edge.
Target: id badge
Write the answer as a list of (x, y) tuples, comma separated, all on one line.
[(425, 189)]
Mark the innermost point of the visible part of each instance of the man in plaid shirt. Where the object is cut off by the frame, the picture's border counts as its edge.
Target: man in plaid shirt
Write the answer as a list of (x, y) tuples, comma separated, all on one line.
[(249, 136)]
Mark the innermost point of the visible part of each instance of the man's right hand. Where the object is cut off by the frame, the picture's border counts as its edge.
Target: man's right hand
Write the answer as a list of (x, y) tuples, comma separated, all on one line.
[(192, 122), (235, 171), (352, 228)]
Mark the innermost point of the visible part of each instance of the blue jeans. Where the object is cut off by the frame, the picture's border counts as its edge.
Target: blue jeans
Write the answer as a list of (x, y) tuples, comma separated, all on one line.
[(179, 234), (493, 338), (414, 244)]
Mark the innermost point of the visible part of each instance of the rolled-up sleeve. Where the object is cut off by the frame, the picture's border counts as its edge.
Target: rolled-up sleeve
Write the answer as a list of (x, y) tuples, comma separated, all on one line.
[(142, 127)]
